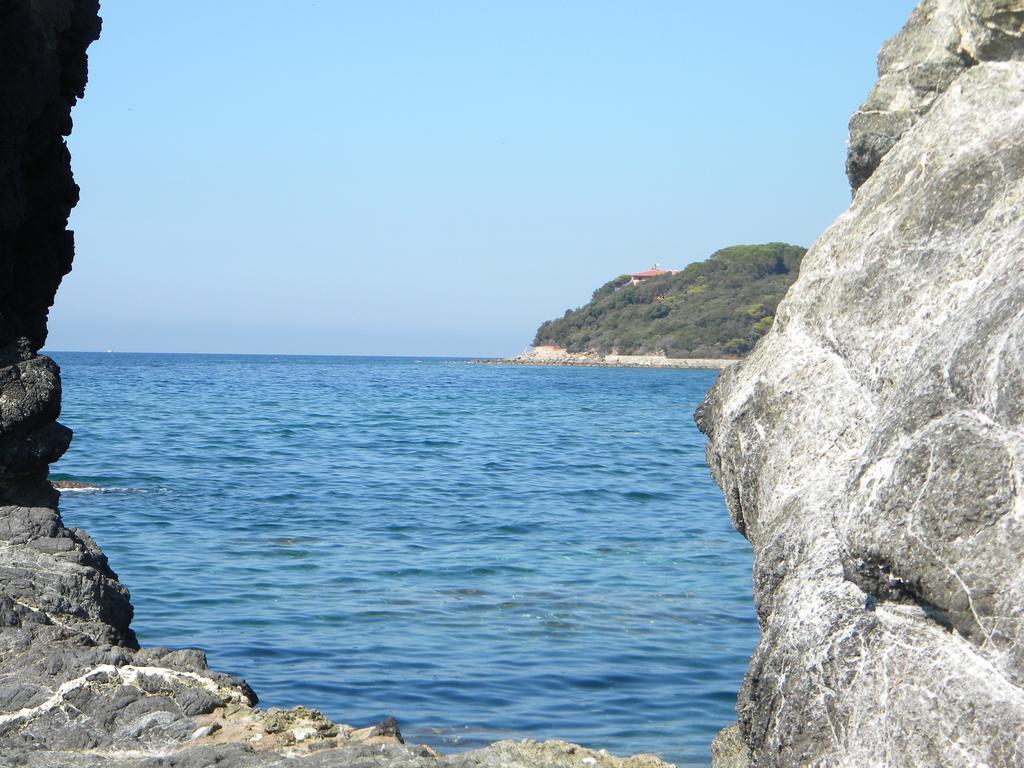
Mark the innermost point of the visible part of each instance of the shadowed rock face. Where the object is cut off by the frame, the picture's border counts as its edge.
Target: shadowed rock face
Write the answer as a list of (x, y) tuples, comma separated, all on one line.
[(42, 74), (871, 447), (75, 688)]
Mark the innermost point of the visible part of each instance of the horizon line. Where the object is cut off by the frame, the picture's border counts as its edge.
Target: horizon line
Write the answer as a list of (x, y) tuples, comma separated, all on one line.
[(259, 354)]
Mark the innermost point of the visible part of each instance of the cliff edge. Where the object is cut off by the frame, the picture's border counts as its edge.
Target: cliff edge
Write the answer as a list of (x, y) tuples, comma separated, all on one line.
[(871, 447)]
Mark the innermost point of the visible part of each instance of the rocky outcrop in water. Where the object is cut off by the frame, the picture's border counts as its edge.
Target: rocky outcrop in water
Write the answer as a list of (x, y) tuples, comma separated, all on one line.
[(871, 448), (75, 687)]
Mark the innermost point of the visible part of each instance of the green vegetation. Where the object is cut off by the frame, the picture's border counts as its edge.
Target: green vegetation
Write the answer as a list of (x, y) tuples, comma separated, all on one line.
[(714, 308)]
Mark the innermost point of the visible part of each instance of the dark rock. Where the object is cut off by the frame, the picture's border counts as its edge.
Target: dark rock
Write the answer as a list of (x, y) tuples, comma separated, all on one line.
[(197, 701), (388, 727)]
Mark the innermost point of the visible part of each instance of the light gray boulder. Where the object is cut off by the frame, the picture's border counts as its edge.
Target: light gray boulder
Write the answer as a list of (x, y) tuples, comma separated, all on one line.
[(941, 40), (871, 448)]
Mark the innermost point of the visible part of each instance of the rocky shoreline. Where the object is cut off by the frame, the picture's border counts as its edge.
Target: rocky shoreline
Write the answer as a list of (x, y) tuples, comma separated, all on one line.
[(870, 448), (607, 361)]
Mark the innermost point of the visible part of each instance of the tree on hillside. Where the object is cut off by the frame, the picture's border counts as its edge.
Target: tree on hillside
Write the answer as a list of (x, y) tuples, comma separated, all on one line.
[(714, 308)]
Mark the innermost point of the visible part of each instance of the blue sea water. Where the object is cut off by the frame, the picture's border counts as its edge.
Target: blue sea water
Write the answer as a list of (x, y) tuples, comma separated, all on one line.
[(484, 552)]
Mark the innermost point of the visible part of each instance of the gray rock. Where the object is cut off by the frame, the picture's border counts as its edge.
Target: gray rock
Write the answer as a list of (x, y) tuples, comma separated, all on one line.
[(870, 448), (941, 40)]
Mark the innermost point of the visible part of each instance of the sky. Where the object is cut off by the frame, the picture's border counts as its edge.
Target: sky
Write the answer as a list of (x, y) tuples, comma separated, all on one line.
[(438, 178)]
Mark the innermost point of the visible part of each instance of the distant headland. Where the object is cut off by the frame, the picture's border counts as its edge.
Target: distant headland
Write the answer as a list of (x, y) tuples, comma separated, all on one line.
[(707, 315)]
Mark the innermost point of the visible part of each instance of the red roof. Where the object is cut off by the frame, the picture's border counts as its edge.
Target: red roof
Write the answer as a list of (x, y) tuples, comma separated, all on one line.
[(651, 273)]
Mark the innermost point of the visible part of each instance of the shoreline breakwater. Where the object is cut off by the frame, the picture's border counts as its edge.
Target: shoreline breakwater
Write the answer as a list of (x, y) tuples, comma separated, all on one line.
[(562, 358)]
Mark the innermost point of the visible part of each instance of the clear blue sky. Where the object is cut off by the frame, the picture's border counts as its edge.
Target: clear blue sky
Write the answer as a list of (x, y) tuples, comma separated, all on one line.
[(437, 178)]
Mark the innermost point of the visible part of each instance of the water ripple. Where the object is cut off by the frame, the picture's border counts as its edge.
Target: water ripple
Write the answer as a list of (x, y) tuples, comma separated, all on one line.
[(481, 552)]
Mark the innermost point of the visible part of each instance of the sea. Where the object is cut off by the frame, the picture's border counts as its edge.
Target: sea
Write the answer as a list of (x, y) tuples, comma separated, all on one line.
[(483, 552)]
